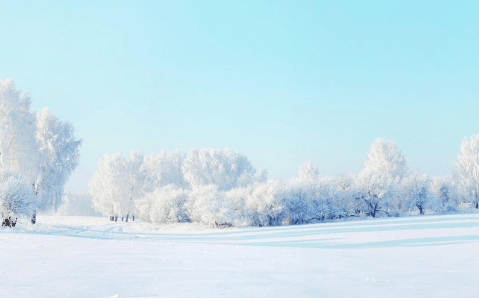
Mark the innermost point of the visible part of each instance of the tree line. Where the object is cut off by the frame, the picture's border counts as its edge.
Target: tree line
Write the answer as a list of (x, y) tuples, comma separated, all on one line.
[(221, 188), (38, 153)]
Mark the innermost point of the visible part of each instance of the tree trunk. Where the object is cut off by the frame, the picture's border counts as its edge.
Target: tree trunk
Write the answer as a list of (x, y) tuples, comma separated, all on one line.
[(133, 216), (477, 205), (122, 218), (116, 218), (34, 217), (127, 217), (374, 210)]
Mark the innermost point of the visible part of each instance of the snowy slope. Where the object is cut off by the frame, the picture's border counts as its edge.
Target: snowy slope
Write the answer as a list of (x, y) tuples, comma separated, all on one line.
[(432, 256)]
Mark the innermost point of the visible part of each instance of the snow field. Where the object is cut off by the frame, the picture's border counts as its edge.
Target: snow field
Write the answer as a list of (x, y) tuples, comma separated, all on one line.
[(424, 256)]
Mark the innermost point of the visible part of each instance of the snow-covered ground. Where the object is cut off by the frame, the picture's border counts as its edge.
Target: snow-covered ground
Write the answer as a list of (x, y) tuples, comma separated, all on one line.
[(431, 256)]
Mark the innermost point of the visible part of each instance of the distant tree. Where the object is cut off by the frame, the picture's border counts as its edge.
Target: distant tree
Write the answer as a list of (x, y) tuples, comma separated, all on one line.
[(296, 196), (415, 192), (308, 172), (384, 168), (466, 169), (106, 187), (385, 158), (117, 183), (443, 189), (59, 156), (323, 200), (135, 179)]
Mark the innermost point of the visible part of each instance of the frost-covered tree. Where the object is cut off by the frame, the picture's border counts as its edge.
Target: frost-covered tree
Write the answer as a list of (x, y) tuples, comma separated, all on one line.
[(443, 189), (313, 200), (415, 193), (117, 183), (135, 181), (38, 147), (106, 185), (226, 169), (466, 169), (308, 172), (59, 156), (296, 195), (372, 193), (325, 203), (385, 158), (384, 168)]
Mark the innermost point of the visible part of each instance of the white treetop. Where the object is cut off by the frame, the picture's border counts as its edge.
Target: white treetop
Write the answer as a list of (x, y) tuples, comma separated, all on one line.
[(226, 169), (164, 168), (385, 166), (19, 150), (308, 172), (385, 158)]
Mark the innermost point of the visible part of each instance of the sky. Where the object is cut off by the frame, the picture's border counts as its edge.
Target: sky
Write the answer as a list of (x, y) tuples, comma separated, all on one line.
[(283, 82)]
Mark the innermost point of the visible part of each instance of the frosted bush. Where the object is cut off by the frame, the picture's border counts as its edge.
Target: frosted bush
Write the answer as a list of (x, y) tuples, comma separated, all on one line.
[(16, 196), (170, 205), (208, 205), (164, 205), (266, 204)]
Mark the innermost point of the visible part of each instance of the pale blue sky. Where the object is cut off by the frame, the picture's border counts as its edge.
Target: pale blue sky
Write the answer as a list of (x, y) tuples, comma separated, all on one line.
[(281, 81)]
